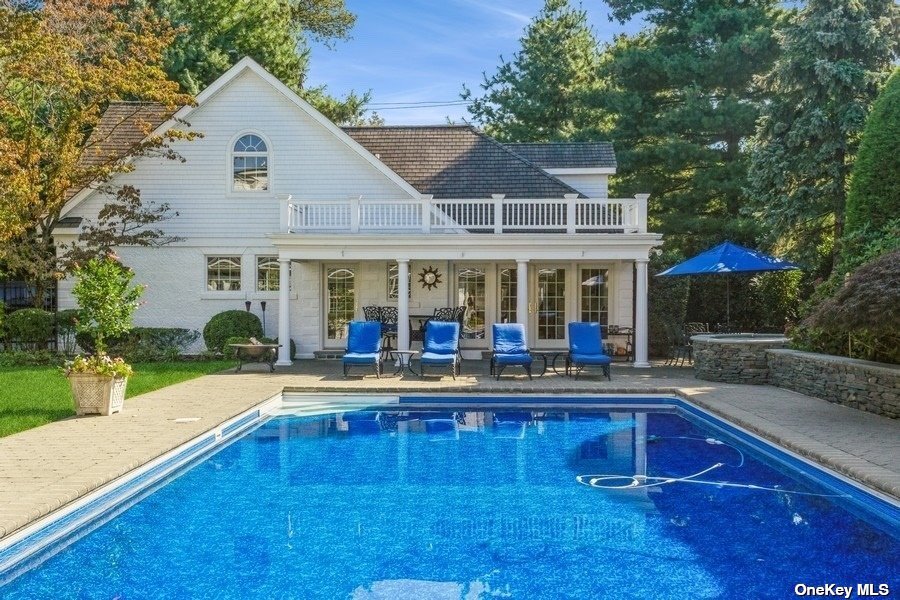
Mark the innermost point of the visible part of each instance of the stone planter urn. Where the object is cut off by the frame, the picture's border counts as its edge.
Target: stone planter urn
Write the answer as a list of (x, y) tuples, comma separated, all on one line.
[(97, 394)]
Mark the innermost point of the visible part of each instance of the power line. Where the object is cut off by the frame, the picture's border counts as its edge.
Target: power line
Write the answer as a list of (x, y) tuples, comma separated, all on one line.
[(399, 105)]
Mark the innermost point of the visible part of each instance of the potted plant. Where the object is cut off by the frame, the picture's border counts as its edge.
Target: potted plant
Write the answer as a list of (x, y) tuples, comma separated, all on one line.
[(106, 303)]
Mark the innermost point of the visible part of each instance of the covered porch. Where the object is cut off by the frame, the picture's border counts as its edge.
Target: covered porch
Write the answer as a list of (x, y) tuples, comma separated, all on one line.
[(541, 281)]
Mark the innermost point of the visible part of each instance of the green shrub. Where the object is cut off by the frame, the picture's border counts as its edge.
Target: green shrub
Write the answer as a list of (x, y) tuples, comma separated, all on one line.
[(30, 326), (66, 324), (146, 344), (30, 358), (231, 323), (2, 315), (667, 302), (873, 195), (106, 299)]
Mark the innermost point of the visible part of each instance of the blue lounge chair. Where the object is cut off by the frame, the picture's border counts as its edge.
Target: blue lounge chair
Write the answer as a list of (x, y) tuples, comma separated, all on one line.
[(510, 348), (586, 349), (441, 346), (364, 346)]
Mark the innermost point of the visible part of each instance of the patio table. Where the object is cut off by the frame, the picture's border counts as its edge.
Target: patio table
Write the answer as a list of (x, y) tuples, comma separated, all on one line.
[(549, 357)]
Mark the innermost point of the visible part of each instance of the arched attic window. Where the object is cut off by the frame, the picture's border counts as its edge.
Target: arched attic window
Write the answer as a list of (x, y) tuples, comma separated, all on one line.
[(250, 160)]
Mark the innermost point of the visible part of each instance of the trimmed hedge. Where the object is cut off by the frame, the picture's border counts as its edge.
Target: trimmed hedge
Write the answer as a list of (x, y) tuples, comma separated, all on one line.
[(30, 326), (228, 324), (143, 344)]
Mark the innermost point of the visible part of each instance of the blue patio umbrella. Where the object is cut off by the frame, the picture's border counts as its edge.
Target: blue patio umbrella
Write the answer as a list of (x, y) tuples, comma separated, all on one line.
[(729, 258)]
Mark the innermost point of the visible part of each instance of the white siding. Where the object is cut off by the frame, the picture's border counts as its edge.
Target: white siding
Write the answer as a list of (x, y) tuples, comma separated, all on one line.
[(592, 186), (306, 161)]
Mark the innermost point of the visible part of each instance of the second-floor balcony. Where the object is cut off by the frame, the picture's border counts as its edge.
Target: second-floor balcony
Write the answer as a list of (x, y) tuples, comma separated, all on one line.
[(481, 215)]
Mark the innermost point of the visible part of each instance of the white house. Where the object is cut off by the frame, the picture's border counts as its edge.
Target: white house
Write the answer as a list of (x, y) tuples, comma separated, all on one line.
[(277, 204)]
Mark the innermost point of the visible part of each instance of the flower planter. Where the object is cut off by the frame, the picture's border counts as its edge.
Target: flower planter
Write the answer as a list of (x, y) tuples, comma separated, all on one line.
[(97, 394)]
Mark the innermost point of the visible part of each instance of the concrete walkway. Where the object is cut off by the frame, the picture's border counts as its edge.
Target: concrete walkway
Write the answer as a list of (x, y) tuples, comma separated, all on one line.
[(44, 468)]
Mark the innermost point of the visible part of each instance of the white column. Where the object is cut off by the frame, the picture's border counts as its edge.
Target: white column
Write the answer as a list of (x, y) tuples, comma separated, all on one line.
[(641, 318), (402, 304), (284, 312), (522, 294)]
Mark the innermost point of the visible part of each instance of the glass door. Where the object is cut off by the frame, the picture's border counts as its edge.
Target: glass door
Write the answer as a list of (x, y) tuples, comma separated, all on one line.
[(548, 307), (507, 294), (471, 285), (340, 303)]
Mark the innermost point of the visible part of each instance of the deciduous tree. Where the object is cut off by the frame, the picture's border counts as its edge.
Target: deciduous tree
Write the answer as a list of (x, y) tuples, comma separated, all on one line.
[(61, 64)]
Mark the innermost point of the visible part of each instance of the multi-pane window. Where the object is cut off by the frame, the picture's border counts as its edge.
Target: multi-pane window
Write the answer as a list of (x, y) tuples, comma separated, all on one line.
[(470, 288), (394, 282), (223, 273), (267, 274), (251, 164), (508, 284), (595, 296)]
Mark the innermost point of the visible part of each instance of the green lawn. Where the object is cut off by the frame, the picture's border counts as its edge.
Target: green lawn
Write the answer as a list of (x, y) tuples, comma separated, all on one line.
[(32, 396)]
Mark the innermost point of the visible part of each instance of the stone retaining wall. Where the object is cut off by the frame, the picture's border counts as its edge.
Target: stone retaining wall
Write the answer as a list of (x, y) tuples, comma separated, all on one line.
[(869, 386), (734, 358)]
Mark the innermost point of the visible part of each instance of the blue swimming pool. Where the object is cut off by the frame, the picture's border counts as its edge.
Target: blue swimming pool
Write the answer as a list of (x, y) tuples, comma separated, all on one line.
[(403, 502)]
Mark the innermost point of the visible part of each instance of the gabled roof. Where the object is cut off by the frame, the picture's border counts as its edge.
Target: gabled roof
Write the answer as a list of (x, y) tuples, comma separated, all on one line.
[(457, 161), (567, 155)]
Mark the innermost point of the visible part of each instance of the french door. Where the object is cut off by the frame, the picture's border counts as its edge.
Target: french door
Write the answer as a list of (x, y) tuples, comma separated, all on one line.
[(548, 306), (340, 303)]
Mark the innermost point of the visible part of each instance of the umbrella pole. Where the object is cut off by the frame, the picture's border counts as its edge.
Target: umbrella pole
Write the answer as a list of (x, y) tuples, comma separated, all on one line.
[(728, 303)]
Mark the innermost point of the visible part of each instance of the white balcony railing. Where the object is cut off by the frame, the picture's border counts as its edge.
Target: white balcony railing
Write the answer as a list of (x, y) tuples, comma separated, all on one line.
[(490, 215)]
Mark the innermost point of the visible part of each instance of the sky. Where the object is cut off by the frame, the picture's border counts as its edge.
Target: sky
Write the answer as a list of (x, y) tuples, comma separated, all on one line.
[(423, 51)]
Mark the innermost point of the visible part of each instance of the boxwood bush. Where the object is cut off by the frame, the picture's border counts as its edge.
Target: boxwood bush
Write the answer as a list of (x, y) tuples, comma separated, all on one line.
[(31, 326), (231, 323)]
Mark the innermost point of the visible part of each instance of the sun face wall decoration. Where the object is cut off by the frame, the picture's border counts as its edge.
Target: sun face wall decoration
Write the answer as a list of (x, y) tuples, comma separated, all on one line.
[(429, 277)]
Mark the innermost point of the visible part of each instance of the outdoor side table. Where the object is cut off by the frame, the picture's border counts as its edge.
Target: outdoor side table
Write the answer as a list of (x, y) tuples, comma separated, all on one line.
[(404, 358), (549, 357), (264, 353)]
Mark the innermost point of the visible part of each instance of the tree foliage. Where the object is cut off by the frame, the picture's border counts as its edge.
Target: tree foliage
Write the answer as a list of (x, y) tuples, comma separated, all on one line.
[(106, 299), (213, 35), (60, 66), (873, 198), (684, 99), (541, 94), (862, 319), (834, 57)]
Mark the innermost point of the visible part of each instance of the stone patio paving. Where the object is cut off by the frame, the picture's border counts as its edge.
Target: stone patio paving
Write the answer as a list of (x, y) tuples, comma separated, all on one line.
[(44, 468)]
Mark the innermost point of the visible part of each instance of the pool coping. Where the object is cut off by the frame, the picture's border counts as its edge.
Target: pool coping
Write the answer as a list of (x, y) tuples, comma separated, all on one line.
[(43, 537)]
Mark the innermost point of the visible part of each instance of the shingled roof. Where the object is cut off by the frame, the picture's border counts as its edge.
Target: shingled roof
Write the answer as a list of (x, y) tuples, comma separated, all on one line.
[(454, 161), (122, 126), (567, 155), (451, 161)]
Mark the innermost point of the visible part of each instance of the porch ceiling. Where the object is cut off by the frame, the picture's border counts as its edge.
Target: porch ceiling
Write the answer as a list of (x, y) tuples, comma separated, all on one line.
[(507, 246)]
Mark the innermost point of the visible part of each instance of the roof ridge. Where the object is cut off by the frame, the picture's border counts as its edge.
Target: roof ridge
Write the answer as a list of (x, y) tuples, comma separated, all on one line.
[(436, 126), (527, 162)]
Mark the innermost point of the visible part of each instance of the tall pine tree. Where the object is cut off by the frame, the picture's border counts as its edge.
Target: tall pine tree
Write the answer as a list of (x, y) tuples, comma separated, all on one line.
[(835, 55), (685, 102), (541, 94)]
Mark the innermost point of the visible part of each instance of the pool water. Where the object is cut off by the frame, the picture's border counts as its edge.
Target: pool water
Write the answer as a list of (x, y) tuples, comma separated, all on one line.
[(476, 504)]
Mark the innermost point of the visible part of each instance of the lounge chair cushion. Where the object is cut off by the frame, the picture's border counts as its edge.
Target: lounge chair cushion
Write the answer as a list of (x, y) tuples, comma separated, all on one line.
[(590, 359), (364, 337), (433, 358), (585, 339), (361, 358), (512, 359), (509, 338), (441, 337)]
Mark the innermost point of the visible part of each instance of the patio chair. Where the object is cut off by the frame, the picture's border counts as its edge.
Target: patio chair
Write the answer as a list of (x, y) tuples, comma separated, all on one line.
[(389, 319), (441, 346), (509, 349), (586, 349), (372, 313), (363, 346)]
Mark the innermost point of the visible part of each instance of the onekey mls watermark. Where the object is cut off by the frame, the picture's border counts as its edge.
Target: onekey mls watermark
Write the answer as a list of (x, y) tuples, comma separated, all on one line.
[(836, 590)]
